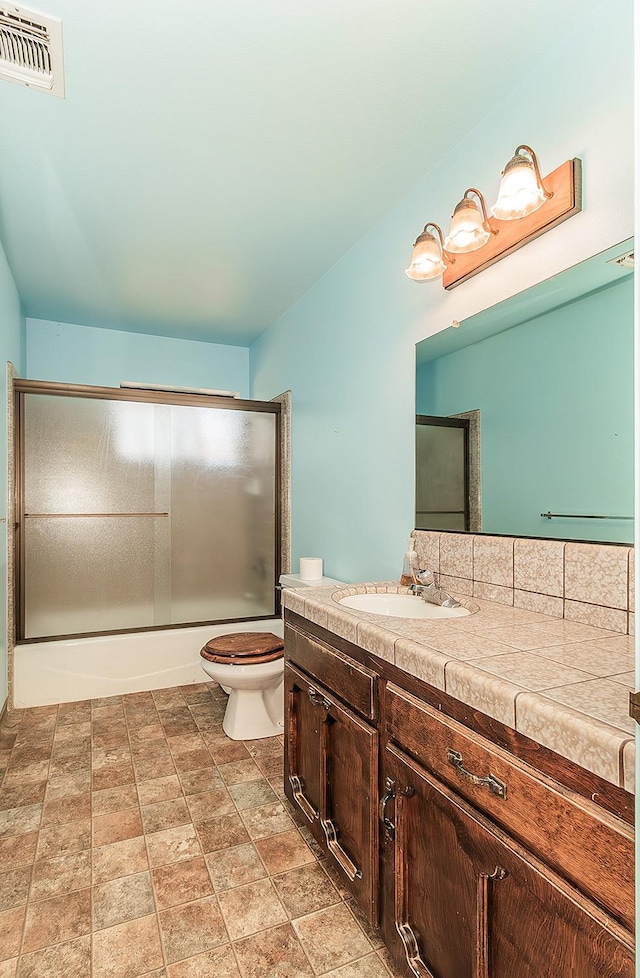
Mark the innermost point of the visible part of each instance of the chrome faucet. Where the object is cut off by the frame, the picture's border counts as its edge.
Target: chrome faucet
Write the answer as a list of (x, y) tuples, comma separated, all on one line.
[(431, 591)]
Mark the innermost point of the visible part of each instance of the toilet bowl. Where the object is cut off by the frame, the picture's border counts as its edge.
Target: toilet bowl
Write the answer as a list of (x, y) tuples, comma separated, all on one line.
[(250, 665)]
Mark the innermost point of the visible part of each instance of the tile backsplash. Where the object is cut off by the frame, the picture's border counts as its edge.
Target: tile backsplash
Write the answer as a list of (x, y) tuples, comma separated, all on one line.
[(592, 583)]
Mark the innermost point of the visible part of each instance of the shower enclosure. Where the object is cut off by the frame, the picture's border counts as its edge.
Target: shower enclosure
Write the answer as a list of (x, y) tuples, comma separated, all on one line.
[(138, 510)]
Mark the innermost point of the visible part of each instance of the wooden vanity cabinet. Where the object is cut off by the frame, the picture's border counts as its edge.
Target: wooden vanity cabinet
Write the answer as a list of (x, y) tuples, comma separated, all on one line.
[(473, 863)]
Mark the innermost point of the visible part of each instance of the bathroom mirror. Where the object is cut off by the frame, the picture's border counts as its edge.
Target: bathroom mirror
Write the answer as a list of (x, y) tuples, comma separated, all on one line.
[(547, 379)]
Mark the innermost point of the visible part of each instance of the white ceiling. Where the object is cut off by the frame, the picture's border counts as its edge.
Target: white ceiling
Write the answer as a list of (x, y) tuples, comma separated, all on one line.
[(213, 158)]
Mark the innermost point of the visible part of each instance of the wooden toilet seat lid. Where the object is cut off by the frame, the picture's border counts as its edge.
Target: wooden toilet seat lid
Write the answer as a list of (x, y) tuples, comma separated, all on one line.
[(244, 648)]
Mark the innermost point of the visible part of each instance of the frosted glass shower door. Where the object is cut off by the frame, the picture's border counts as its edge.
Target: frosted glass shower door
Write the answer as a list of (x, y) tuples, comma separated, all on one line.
[(223, 502), (138, 514), (91, 533)]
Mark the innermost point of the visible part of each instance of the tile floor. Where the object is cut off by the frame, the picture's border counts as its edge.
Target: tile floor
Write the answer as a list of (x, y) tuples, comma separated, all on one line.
[(137, 839)]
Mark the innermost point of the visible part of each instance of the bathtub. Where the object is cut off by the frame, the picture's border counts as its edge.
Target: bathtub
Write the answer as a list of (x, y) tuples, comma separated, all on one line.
[(68, 670)]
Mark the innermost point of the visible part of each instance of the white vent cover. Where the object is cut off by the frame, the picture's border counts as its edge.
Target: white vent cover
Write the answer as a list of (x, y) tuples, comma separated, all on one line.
[(624, 261), (31, 49)]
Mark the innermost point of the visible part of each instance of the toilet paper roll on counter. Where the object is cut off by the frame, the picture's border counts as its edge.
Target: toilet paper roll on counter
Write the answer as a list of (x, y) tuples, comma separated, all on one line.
[(311, 568)]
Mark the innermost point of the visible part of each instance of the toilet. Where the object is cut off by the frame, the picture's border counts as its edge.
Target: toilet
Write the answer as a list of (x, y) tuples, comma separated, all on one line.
[(250, 667)]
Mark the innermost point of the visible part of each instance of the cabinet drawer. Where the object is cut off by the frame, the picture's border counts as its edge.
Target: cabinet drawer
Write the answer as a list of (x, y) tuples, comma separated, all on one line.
[(572, 835), (353, 683)]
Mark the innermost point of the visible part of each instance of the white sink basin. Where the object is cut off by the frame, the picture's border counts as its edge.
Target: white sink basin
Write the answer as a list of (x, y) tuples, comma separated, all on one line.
[(400, 606)]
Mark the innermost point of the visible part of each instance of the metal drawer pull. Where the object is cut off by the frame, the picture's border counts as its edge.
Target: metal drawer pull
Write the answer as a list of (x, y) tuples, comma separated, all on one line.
[(298, 794), (318, 699), (495, 786), (346, 864), (389, 793)]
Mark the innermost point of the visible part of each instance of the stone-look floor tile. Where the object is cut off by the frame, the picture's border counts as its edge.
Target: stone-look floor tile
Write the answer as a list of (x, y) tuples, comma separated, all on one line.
[(58, 840), (181, 882), (9, 969), (159, 789), (24, 795), (205, 779), (251, 908), (193, 760), (18, 850), (237, 772), (252, 794), (122, 899), (119, 859), (270, 765), (116, 826), (16, 821), (233, 750), (14, 887), (172, 845), (156, 766), (114, 799), (186, 743), (113, 775), (370, 966), (59, 919), (306, 889), (57, 811), (11, 926), (128, 949), (74, 712), (221, 833), (233, 867), (63, 874), (266, 820), (284, 851), (67, 785), (267, 745), (218, 963), (276, 952), (142, 733), (331, 938), (70, 764), (191, 929), (210, 804), (165, 815), (71, 960)]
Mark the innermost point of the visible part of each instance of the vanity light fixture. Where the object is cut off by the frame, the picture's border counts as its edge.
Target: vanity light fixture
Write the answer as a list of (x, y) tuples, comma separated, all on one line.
[(521, 189), (427, 259), (526, 207), (470, 228)]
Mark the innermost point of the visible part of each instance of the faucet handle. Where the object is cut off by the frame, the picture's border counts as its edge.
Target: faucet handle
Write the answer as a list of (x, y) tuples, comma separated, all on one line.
[(426, 577)]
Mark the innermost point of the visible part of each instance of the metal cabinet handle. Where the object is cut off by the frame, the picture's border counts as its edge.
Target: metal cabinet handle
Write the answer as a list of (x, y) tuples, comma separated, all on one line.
[(336, 850), (318, 699), (298, 794), (495, 786), (389, 793)]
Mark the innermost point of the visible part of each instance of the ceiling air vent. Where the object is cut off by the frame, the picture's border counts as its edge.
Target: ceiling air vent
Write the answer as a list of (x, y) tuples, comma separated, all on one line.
[(31, 49), (624, 261)]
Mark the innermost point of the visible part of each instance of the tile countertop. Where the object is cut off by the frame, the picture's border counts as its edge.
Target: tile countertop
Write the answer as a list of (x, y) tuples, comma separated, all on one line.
[(564, 684)]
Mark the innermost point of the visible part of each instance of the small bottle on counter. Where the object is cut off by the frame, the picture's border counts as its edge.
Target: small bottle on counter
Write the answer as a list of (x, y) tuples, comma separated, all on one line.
[(409, 566)]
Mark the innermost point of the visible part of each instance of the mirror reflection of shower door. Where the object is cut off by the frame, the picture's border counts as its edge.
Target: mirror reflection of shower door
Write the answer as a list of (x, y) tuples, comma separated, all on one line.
[(139, 514), (442, 473)]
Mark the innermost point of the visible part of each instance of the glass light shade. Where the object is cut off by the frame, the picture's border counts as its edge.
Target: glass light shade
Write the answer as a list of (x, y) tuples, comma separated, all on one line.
[(467, 232), (426, 260), (520, 193)]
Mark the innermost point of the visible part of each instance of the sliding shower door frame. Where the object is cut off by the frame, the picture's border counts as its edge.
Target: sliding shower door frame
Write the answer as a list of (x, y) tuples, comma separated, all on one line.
[(207, 401)]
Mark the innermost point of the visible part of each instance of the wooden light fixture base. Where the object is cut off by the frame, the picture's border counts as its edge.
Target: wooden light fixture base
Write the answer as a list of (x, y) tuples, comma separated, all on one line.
[(566, 186)]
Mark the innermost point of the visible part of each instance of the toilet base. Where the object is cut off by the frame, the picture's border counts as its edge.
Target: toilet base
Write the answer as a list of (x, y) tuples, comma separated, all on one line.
[(252, 714)]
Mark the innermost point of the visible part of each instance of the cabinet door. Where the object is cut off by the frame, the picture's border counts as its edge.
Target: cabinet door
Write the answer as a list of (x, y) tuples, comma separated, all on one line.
[(302, 747), (471, 903), (331, 764)]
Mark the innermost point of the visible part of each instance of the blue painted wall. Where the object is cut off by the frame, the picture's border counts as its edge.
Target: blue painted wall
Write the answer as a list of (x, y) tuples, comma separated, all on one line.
[(87, 355), (347, 348), (11, 348), (555, 396)]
